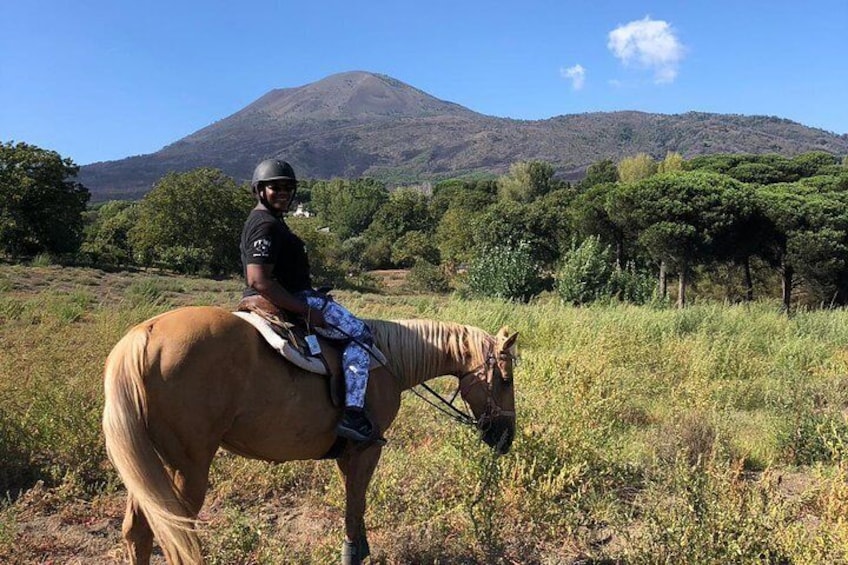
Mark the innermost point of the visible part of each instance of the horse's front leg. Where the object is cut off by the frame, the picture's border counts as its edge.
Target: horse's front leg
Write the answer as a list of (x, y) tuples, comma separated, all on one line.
[(357, 467)]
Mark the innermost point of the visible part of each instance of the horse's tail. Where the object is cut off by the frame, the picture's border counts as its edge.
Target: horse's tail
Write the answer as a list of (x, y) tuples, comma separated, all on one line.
[(135, 456)]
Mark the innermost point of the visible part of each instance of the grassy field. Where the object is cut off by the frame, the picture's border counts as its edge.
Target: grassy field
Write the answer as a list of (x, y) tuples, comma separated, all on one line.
[(716, 434)]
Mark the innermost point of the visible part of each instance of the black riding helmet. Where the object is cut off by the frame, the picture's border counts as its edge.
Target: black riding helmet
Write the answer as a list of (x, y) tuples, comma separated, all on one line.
[(271, 170)]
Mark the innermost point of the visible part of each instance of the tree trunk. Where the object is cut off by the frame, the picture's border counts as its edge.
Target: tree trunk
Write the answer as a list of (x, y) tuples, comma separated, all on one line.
[(619, 254), (681, 287), (787, 273), (749, 280), (663, 283)]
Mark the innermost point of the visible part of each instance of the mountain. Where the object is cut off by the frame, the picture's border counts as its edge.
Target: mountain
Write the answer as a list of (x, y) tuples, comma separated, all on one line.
[(363, 124)]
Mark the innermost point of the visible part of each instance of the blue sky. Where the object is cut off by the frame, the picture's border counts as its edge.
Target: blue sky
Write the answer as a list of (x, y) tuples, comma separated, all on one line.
[(104, 79)]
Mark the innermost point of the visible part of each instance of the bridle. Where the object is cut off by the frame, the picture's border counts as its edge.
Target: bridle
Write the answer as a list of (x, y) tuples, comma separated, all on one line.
[(478, 376)]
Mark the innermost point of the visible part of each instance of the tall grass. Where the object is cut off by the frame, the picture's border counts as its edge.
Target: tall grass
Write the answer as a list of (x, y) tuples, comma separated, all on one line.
[(716, 434)]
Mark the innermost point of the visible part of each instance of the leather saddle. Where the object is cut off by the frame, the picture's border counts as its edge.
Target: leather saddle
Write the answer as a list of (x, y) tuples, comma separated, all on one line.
[(287, 335)]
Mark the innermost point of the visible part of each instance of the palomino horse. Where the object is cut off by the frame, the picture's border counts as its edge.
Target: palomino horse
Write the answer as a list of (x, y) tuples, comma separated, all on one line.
[(189, 381)]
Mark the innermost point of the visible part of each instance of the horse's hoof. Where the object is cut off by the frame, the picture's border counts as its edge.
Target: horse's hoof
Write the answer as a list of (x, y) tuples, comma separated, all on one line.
[(350, 553), (364, 550)]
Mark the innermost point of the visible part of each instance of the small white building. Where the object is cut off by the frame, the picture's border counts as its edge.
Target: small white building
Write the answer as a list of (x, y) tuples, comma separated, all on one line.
[(301, 213)]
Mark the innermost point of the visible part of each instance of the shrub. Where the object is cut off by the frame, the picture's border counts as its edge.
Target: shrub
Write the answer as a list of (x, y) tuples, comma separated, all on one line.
[(631, 285), (427, 277), (587, 274), (42, 260), (505, 271)]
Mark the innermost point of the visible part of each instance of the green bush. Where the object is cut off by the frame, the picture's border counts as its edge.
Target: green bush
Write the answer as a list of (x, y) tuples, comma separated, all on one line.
[(185, 259), (426, 277), (42, 260), (587, 274), (631, 285), (506, 271)]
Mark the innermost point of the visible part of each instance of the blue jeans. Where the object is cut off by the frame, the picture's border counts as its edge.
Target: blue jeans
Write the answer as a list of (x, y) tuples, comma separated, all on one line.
[(344, 326)]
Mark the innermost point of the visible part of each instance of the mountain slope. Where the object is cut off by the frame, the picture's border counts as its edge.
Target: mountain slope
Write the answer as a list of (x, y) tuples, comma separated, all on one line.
[(358, 123)]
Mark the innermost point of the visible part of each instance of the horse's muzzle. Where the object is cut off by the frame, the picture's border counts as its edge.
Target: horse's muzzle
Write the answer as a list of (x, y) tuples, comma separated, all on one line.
[(498, 433)]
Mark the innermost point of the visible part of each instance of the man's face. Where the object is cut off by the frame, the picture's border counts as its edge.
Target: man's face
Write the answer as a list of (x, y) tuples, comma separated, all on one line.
[(278, 194)]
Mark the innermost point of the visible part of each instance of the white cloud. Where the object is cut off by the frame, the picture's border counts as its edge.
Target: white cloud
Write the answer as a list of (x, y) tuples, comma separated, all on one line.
[(577, 75), (649, 44)]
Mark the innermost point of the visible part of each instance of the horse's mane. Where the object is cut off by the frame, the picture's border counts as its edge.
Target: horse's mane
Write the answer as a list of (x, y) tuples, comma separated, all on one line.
[(418, 348)]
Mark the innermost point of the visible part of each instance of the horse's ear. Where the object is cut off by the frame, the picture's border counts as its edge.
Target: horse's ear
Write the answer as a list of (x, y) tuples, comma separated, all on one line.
[(509, 342)]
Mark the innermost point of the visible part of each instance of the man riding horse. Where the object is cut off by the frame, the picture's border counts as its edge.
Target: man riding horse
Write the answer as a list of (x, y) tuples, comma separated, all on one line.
[(276, 267)]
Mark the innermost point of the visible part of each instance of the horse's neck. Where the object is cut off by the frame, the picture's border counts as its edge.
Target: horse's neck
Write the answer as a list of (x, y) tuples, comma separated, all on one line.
[(419, 350)]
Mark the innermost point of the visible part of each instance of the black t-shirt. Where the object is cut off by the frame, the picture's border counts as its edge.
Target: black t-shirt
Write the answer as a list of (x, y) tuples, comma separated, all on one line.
[(267, 240)]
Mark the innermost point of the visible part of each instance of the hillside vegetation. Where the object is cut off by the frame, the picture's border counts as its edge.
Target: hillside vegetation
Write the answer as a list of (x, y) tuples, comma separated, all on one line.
[(364, 124), (713, 434)]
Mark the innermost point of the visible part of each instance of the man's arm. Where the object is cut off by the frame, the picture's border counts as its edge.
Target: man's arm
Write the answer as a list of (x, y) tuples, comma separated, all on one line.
[(260, 278)]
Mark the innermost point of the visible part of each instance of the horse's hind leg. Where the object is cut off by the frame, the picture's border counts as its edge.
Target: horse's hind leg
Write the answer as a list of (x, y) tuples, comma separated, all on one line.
[(191, 482), (137, 534)]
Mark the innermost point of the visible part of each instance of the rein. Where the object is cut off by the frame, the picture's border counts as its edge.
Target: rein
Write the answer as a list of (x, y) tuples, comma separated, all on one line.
[(456, 415)]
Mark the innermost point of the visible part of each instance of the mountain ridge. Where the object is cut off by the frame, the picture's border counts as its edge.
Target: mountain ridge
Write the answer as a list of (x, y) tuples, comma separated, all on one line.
[(366, 124)]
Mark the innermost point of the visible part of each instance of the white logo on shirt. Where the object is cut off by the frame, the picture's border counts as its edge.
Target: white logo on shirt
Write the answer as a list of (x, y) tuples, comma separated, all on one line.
[(261, 247)]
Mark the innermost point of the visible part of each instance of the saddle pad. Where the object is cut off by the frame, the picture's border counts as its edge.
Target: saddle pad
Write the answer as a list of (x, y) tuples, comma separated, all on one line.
[(287, 350)]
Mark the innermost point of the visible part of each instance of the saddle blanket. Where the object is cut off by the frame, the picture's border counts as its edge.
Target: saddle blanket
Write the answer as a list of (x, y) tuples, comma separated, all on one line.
[(292, 353)]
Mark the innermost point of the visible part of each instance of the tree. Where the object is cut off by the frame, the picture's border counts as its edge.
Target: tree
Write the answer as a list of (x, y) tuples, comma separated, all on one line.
[(412, 247), (757, 173), (455, 236), (107, 232), (465, 194), (506, 221), (405, 211), (810, 240), (41, 206), (526, 181), (328, 262), (673, 162), (591, 217), (680, 217), (191, 222), (632, 169), (809, 164), (348, 207), (603, 171), (549, 221)]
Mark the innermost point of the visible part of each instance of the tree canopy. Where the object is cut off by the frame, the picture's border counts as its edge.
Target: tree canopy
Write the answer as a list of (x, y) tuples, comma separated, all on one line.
[(192, 222), (697, 218), (348, 207), (41, 205)]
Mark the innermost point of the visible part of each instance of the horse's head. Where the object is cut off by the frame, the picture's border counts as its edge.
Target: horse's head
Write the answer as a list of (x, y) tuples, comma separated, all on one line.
[(489, 392)]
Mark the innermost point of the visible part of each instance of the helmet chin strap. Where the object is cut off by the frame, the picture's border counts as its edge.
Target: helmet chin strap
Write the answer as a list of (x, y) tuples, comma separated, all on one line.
[(260, 191)]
